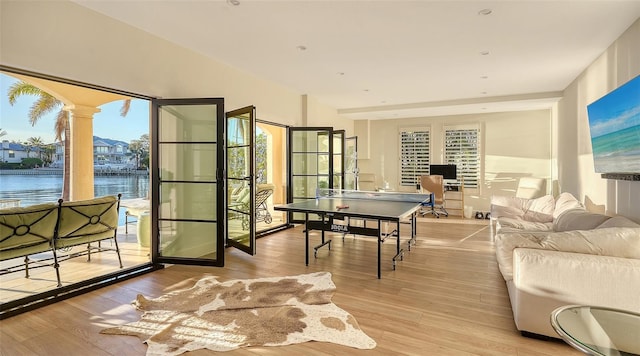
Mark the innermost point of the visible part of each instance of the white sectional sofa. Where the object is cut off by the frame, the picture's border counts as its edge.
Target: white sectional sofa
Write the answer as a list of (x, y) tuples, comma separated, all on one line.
[(553, 252)]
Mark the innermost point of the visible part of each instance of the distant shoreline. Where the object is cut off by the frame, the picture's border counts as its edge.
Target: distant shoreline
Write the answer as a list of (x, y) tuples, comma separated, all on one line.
[(58, 171)]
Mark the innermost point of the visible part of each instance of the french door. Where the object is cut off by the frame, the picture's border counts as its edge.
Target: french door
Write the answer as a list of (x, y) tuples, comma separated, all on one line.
[(316, 160), (187, 181), (241, 179)]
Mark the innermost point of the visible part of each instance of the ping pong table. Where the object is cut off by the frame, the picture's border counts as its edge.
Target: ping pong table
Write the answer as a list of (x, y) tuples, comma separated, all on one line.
[(336, 208)]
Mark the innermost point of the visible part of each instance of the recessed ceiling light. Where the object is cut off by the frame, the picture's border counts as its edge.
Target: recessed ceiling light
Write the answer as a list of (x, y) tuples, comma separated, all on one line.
[(301, 48), (340, 73), (483, 93), (233, 2), (485, 12), (484, 77), (366, 89), (485, 53)]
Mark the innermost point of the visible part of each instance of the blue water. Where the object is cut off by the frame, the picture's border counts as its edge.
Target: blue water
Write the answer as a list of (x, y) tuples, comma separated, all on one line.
[(617, 151), (619, 143), (36, 189)]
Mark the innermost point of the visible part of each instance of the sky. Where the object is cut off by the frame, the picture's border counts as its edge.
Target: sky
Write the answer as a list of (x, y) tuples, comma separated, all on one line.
[(617, 110), (106, 124)]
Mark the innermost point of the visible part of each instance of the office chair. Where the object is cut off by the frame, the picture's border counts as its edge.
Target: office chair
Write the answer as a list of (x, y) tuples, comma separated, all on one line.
[(435, 185)]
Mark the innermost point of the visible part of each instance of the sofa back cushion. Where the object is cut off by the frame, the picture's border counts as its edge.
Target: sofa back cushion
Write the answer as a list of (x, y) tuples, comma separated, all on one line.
[(618, 221), (564, 202), (537, 210), (578, 219), (26, 227), (86, 221)]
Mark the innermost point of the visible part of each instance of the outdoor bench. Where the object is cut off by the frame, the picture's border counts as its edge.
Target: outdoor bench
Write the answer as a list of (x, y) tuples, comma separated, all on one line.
[(51, 227)]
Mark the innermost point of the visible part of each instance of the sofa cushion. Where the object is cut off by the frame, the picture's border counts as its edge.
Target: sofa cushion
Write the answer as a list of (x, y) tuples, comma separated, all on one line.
[(539, 209), (505, 225), (616, 242), (564, 202), (578, 219), (25, 227), (617, 221)]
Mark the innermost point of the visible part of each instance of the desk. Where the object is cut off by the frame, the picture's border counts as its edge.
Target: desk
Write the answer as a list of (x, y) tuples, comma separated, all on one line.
[(598, 331), (377, 206)]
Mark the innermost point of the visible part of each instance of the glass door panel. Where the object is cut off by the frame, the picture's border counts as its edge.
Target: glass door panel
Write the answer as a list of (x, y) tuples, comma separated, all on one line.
[(351, 163), (271, 172), (241, 190), (338, 159), (310, 163), (188, 138)]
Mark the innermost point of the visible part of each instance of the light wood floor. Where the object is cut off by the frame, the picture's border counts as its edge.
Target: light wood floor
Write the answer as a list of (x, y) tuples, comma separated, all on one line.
[(446, 298)]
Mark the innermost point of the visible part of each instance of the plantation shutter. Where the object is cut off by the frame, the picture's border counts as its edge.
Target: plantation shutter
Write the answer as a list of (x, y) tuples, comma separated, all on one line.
[(461, 147), (414, 155)]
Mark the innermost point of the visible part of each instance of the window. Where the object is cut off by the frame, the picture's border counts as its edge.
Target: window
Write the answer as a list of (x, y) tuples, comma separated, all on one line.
[(414, 155), (461, 147)]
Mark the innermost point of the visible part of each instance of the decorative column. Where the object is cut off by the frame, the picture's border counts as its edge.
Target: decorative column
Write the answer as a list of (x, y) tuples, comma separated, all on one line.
[(81, 144)]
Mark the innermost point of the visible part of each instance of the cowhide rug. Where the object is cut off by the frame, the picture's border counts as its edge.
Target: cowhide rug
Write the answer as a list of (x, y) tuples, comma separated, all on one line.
[(223, 316)]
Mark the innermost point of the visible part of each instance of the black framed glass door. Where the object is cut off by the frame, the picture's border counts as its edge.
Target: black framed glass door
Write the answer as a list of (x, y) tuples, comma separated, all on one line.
[(310, 164), (241, 179), (187, 181), (338, 159)]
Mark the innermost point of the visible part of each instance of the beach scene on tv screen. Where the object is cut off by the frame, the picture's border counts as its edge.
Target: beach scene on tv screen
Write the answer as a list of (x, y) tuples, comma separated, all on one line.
[(614, 121)]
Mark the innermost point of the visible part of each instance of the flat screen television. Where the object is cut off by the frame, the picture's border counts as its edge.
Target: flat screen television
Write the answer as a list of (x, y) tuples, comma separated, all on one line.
[(447, 171), (614, 124)]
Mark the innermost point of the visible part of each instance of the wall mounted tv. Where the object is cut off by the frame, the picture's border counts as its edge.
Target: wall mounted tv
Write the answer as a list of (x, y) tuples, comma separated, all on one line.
[(447, 171), (614, 124)]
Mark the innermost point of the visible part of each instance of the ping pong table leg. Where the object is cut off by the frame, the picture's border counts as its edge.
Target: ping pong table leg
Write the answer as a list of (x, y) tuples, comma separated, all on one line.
[(399, 251), (324, 242), (306, 239), (397, 242), (414, 221), (379, 245)]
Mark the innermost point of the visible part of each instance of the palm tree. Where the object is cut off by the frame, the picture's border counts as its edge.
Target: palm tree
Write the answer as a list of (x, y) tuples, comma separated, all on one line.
[(49, 151), (28, 148), (2, 132), (37, 143), (44, 104), (140, 149)]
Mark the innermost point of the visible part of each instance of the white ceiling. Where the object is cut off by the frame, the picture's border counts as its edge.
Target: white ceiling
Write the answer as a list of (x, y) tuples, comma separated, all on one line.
[(395, 59)]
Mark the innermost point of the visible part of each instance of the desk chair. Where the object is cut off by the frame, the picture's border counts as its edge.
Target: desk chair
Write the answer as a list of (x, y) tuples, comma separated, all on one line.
[(435, 185)]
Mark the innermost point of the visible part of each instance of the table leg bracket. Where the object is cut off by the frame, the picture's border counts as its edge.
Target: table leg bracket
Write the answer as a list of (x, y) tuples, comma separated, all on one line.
[(400, 256), (316, 248)]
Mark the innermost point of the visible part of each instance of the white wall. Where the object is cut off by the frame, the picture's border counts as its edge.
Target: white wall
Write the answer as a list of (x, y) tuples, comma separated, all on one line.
[(617, 65), (513, 145), (60, 38), (316, 113)]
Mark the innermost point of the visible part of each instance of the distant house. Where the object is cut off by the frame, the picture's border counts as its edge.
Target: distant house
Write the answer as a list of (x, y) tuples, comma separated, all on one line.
[(13, 152), (107, 153), (110, 152)]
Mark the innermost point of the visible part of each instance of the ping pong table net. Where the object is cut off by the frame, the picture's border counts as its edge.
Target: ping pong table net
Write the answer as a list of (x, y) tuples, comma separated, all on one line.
[(379, 196)]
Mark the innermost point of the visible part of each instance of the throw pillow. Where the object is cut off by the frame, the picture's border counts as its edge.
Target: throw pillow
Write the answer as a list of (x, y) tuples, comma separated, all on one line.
[(564, 202), (539, 209)]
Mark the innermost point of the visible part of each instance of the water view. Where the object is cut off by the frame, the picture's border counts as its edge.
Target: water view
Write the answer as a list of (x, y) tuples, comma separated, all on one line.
[(36, 189)]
